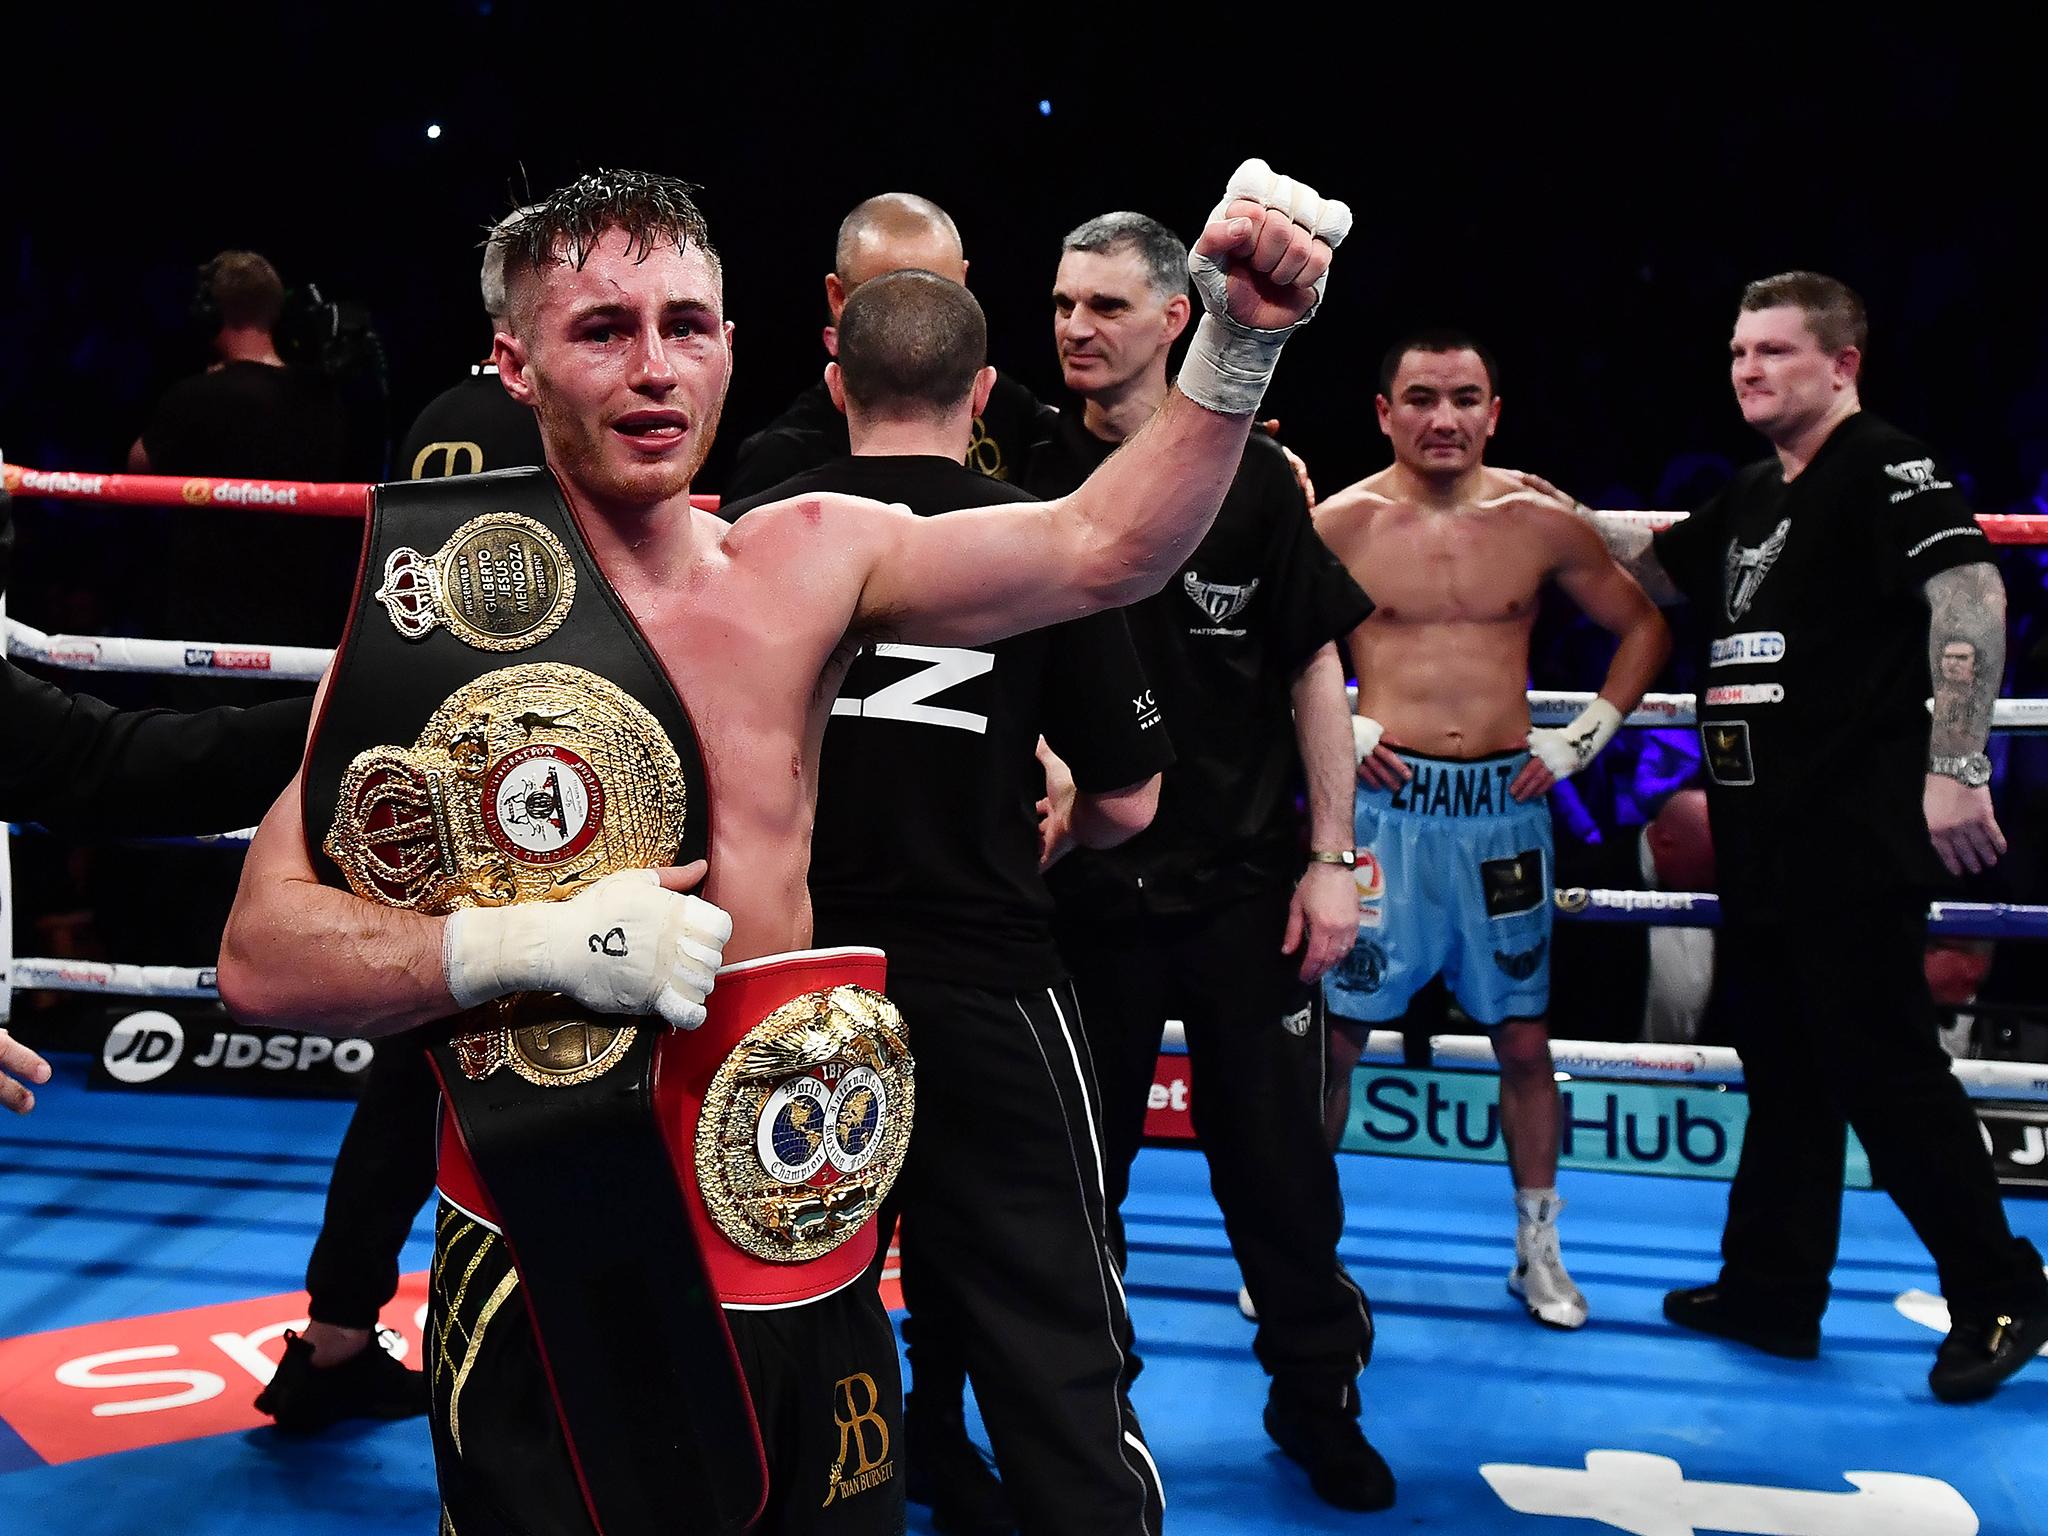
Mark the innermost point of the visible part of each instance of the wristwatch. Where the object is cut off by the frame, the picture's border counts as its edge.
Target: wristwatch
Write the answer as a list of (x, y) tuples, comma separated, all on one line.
[(1972, 770), (1346, 856)]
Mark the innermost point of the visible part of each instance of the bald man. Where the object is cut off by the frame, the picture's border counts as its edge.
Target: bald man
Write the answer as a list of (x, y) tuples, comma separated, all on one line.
[(891, 232)]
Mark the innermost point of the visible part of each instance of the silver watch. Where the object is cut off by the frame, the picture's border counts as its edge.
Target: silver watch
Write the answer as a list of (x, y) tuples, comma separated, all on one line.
[(1972, 770)]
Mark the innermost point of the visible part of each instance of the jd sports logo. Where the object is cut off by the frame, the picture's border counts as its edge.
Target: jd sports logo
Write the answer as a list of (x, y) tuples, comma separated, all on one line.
[(143, 1047), (1748, 567), (863, 1439), (1221, 603)]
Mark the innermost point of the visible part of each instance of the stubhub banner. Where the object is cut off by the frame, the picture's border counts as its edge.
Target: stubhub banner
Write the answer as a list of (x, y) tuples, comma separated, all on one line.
[(202, 1050), (1692, 1131)]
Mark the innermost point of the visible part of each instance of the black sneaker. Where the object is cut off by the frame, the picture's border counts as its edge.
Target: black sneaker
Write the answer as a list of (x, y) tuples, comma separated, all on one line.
[(370, 1384), (947, 1472), (1979, 1353), (1342, 1466), (1709, 1309)]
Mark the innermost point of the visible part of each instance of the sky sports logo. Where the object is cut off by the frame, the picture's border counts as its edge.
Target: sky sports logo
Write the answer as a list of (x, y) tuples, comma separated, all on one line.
[(220, 659)]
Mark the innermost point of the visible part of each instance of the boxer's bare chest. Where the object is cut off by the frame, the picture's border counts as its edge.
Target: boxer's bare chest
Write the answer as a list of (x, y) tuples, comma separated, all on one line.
[(751, 653), (1469, 566)]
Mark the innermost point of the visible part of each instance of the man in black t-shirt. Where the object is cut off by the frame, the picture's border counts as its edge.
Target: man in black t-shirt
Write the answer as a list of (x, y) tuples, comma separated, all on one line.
[(892, 232), (1817, 571), (1208, 915), (927, 845), (252, 576)]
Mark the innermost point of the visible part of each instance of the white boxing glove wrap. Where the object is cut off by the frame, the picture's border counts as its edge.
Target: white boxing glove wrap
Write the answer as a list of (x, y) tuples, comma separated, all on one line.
[(626, 946), (1365, 735), (1229, 365), (1568, 748)]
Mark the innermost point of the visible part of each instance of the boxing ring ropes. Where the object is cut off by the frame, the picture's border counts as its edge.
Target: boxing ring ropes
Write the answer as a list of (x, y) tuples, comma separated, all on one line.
[(1625, 1062)]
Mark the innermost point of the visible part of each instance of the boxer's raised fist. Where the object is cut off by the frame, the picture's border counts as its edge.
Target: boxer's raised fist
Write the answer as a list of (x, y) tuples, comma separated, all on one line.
[(1264, 257), (1260, 266)]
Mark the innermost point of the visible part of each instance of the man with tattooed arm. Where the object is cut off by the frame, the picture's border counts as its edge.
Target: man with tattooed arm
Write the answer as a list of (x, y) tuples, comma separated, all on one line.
[(1837, 577)]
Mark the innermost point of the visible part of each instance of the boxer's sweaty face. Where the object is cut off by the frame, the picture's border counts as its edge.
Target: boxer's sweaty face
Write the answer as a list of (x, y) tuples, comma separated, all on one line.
[(1441, 412), (1108, 321), (628, 362), (1782, 375)]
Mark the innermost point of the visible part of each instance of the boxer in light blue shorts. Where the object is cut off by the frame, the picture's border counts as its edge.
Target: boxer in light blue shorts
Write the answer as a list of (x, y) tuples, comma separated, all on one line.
[(1454, 877)]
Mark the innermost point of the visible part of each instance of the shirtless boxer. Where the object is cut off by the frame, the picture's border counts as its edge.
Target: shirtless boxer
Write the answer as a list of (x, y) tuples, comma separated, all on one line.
[(1451, 806), (618, 340)]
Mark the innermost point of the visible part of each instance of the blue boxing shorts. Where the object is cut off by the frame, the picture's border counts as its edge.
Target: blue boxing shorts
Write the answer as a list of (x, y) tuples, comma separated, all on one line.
[(1453, 876)]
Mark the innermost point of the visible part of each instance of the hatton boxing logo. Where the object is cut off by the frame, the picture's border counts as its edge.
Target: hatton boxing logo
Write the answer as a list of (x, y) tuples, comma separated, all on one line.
[(1747, 568), (1219, 603), (1918, 476)]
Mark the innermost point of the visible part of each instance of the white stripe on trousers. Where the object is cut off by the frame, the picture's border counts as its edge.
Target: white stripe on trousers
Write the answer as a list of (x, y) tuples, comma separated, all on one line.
[(1106, 1275)]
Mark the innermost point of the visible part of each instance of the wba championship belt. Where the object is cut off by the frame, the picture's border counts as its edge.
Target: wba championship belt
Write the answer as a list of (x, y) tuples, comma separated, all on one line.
[(496, 730)]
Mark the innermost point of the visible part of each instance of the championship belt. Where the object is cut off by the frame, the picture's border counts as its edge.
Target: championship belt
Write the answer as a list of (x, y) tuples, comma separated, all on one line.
[(496, 730)]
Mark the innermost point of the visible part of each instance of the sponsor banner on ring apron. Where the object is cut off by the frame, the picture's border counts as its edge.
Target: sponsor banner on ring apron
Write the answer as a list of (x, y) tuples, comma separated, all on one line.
[(181, 1047)]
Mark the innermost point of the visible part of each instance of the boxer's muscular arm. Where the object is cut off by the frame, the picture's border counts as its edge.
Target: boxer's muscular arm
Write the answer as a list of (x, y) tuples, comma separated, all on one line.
[(301, 955), (984, 573), (1610, 597), (1630, 544)]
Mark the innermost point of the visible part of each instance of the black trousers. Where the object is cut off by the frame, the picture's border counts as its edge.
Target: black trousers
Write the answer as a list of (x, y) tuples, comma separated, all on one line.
[(1006, 1266), (1835, 1027), (826, 1393), (382, 1176), (1256, 1050)]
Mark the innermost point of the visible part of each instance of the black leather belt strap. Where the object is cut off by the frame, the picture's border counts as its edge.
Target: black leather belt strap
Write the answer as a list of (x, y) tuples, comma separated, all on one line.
[(635, 1343)]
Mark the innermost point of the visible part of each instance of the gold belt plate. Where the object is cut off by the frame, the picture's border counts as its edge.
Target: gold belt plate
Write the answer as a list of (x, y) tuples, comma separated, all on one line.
[(502, 582), (527, 784), (804, 1126)]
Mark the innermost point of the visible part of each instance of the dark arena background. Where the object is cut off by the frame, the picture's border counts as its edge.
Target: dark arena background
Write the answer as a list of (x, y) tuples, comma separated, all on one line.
[(1588, 196)]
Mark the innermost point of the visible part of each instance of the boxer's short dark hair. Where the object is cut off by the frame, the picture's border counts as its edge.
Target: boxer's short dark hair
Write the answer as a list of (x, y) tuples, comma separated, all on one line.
[(911, 342), (1438, 340), (1834, 310), (563, 229)]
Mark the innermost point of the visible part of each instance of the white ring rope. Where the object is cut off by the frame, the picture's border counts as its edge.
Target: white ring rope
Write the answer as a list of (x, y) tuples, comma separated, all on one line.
[(1632, 1062), (183, 658), (26, 975), (300, 663)]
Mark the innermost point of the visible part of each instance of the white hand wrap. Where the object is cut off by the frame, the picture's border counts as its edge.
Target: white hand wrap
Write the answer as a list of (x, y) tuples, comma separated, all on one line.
[(1229, 365), (626, 945), (1365, 735), (1568, 748)]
